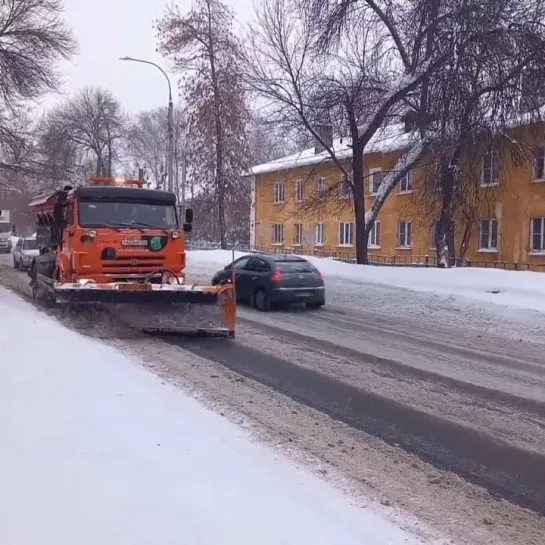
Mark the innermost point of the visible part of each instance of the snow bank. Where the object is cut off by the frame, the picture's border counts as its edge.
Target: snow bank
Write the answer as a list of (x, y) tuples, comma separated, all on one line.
[(521, 289), (96, 450)]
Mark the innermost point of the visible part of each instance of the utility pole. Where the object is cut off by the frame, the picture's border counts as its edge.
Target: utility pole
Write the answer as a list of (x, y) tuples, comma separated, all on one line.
[(170, 129), (170, 123)]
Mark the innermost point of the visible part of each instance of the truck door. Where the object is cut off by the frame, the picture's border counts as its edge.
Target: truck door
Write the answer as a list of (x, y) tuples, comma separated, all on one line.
[(69, 230)]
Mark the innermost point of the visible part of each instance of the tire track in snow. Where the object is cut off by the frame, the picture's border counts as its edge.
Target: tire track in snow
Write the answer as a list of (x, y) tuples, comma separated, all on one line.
[(504, 470)]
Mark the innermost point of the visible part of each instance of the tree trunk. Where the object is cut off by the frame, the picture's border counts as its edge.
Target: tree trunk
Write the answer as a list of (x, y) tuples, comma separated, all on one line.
[(220, 178), (109, 171), (466, 239), (359, 208), (446, 222)]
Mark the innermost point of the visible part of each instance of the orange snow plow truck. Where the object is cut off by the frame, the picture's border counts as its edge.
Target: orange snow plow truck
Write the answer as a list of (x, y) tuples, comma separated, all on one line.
[(118, 245)]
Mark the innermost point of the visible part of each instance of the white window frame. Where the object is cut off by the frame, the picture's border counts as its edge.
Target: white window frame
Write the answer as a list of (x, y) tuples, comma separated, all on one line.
[(541, 249), (345, 189), (278, 193), (278, 234), (319, 234), (538, 164), (408, 181), (321, 188), (490, 166), (491, 224), (299, 190), (374, 236), (297, 234), (404, 235), (346, 233), (372, 172)]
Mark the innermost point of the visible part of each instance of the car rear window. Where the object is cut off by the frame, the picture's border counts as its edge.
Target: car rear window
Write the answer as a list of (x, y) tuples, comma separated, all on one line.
[(30, 244), (295, 267)]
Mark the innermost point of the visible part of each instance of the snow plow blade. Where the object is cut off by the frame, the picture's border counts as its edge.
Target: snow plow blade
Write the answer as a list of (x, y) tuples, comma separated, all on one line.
[(167, 309)]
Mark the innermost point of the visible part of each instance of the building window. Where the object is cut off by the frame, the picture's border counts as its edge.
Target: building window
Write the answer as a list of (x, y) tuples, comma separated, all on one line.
[(404, 239), (298, 234), (299, 190), (278, 233), (406, 183), (345, 188), (537, 235), (374, 236), (488, 234), (278, 192), (376, 176), (489, 177), (539, 163), (346, 234), (321, 188), (319, 235)]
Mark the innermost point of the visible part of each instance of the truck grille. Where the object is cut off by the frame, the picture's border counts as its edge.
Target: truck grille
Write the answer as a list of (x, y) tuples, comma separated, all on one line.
[(134, 263)]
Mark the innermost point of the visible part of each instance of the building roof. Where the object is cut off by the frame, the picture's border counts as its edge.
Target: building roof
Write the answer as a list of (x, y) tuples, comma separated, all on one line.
[(389, 138)]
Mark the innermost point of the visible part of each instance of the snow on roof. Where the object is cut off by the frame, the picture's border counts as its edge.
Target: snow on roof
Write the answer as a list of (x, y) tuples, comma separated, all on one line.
[(389, 138)]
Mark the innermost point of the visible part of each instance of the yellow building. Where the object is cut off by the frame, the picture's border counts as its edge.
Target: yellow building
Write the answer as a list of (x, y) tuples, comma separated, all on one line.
[(300, 204)]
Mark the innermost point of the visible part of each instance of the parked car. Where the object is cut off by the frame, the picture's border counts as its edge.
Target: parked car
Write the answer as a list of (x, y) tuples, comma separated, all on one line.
[(24, 252), (265, 280)]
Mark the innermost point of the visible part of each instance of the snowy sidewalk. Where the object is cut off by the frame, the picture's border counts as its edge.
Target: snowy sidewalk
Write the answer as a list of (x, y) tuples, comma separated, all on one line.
[(519, 289), (96, 450)]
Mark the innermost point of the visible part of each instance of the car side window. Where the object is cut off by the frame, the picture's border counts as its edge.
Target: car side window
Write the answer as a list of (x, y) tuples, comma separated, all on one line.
[(258, 265), (241, 263)]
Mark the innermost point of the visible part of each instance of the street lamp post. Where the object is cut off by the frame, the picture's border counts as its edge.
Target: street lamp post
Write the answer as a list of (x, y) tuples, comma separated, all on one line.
[(170, 122)]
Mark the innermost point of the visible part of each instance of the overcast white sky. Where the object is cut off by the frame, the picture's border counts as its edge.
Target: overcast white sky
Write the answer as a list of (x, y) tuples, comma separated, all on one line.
[(109, 29)]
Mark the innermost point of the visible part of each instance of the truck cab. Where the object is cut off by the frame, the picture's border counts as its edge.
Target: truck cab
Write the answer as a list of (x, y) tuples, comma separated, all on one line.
[(113, 232)]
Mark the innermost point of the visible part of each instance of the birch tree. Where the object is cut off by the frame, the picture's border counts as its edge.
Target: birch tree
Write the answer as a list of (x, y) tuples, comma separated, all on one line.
[(201, 44)]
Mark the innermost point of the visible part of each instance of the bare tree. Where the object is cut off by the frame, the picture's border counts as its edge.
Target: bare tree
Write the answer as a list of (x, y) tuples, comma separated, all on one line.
[(87, 127), (477, 100), (202, 45), (33, 38), (475, 91), (355, 86), (147, 144), (268, 140)]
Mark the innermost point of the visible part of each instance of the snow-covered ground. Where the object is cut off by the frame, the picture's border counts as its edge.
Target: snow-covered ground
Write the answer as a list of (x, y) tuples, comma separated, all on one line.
[(517, 289), (95, 449)]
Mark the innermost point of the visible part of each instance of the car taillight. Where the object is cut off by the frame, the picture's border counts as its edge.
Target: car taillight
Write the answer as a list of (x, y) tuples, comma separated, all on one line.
[(276, 276)]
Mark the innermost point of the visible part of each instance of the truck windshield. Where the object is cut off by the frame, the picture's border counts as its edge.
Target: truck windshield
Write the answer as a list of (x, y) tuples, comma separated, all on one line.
[(5, 227), (126, 215)]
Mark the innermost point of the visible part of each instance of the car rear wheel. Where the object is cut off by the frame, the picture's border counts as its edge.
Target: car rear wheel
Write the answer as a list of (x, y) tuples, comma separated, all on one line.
[(316, 304), (262, 301)]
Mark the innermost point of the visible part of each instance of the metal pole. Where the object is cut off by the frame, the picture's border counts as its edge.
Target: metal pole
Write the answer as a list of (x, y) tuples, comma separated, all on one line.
[(170, 129), (184, 157), (170, 123)]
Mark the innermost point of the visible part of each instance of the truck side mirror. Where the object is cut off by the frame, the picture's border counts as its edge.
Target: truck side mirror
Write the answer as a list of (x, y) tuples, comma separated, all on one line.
[(189, 215), (188, 227)]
